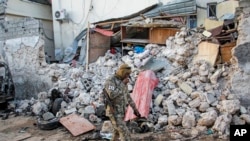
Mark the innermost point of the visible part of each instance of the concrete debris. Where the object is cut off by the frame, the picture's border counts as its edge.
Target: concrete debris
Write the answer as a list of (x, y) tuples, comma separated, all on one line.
[(189, 94)]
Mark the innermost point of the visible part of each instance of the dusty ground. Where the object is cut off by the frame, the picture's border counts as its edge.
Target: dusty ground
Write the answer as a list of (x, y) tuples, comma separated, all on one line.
[(24, 128)]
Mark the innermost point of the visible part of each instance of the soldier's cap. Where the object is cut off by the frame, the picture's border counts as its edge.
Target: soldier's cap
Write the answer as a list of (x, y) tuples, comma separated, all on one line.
[(123, 70), (124, 66)]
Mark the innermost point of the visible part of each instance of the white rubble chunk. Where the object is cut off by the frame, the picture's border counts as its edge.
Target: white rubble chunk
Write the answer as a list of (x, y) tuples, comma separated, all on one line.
[(48, 116), (195, 94), (185, 87), (175, 135), (210, 98), (180, 112), (163, 120), (89, 110), (158, 99), (215, 76), (243, 110), (208, 118), (195, 103), (39, 108), (188, 120), (245, 117), (173, 79), (174, 120), (42, 96), (238, 121), (203, 106), (70, 111), (222, 123), (230, 106), (169, 105)]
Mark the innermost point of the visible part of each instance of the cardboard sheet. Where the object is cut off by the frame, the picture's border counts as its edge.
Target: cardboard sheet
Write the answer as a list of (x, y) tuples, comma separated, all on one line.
[(76, 124), (208, 52)]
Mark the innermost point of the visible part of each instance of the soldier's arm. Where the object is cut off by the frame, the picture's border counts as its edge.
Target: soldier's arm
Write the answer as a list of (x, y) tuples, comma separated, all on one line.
[(132, 103), (112, 90)]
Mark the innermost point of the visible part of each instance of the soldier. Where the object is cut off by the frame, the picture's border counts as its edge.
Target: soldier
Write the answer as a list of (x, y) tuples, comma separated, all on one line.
[(117, 91)]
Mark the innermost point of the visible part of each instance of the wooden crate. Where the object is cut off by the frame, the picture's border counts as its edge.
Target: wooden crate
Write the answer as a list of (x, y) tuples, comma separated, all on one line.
[(98, 46), (225, 51), (159, 35)]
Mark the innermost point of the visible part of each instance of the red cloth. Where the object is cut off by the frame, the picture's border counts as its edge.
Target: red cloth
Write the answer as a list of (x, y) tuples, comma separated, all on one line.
[(104, 32), (142, 94)]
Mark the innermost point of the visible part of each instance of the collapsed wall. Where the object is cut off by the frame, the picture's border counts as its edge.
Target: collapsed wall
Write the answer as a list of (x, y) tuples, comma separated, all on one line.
[(193, 96), (22, 48), (241, 53)]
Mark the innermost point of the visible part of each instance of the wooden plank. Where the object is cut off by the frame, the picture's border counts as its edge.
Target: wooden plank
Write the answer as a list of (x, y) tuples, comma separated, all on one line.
[(208, 52), (128, 40), (76, 125), (98, 46), (159, 35)]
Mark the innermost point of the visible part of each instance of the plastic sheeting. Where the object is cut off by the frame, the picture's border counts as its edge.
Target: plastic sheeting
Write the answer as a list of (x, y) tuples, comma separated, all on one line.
[(142, 94)]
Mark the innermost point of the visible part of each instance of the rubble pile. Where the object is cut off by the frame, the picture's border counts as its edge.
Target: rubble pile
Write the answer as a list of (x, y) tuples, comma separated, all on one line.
[(190, 95)]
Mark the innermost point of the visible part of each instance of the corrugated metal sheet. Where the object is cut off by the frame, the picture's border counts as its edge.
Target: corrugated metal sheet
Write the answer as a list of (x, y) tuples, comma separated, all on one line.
[(178, 7)]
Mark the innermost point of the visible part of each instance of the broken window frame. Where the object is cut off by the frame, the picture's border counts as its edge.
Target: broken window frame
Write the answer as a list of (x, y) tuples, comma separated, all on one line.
[(211, 10)]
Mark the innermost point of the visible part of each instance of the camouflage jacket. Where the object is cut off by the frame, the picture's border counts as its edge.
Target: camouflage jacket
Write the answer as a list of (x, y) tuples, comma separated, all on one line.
[(119, 96)]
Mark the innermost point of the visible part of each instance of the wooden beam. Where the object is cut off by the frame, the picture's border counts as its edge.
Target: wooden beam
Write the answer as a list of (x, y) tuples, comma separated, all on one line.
[(113, 22)]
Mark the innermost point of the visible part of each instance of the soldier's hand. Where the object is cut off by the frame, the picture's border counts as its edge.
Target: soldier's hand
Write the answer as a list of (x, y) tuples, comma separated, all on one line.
[(137, 113), (125, 81)]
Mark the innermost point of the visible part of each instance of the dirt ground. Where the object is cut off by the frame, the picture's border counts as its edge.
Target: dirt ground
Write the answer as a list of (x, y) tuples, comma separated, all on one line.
[(24, 128)]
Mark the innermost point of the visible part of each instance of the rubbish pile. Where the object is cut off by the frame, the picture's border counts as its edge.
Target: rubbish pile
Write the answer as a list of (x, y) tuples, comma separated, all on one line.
[(191, 95)]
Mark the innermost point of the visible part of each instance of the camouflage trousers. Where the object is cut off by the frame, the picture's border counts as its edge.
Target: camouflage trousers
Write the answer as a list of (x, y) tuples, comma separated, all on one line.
[(120, 129)]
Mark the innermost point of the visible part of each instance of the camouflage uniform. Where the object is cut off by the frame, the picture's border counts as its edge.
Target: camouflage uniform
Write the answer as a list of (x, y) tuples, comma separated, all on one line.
[(119, 95)]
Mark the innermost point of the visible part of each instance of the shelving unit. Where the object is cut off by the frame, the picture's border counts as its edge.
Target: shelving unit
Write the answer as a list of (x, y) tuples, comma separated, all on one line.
[(152, 33)]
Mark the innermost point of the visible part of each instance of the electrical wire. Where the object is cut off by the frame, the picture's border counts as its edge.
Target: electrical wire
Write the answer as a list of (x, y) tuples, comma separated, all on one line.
[(83, 7)]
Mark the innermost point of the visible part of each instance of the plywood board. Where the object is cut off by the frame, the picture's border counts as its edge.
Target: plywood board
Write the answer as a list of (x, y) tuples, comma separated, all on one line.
[(211, 24), (208, 52), (159, 35), (226, 51), (76, 124)]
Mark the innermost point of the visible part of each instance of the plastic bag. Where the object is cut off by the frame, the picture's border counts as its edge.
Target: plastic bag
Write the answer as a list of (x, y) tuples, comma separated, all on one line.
[(142, 94)]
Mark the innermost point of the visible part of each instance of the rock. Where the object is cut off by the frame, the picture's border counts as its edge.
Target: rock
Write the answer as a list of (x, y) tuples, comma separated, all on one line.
[(238, 121), (230, 106), (158, 99), (107, 127), (168, 104), (188, 120), (48, 116), (215, 76), (243, 110), (195, 103), (180, 112), (175, 135), (203, 106), (210, 98), (39, 108), (245, 117), (207, 119), (222, 123), (185, 87), (70, 111), (174, 120), (163, 120)]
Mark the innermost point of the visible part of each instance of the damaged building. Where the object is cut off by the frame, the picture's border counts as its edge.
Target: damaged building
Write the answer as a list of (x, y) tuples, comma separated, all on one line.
[(192, 56)]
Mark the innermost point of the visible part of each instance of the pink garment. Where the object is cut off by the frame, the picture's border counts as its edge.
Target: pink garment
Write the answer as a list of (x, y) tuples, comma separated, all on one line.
[(142, 94)]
